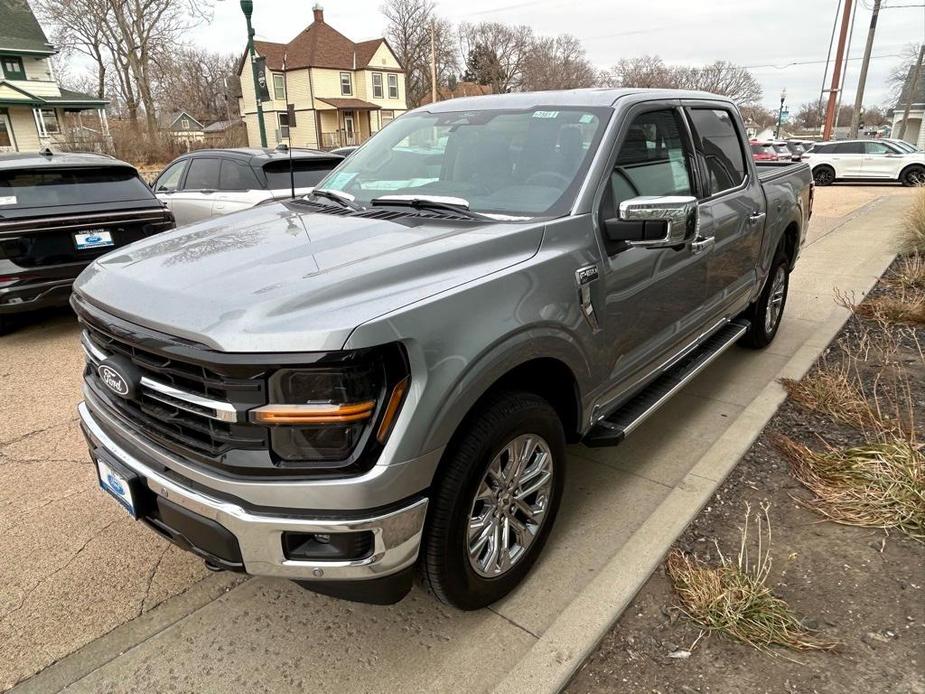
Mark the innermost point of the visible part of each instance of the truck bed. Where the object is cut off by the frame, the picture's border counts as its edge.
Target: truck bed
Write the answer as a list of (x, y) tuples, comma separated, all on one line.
[(769, 172)]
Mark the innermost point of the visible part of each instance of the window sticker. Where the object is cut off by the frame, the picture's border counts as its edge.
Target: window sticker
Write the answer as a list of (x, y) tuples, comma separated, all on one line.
[(7, 199), (586, 118), (545, 114)]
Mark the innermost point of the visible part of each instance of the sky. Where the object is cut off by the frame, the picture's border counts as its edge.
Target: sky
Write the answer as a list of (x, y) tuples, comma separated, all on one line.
[(767, 36)]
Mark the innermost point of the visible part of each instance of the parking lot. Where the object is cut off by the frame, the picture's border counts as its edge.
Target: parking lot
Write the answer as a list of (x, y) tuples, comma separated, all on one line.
[(74, 567)]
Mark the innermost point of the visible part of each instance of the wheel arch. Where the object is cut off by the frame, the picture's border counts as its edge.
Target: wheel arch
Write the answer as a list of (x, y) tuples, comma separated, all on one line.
[(906, 169)]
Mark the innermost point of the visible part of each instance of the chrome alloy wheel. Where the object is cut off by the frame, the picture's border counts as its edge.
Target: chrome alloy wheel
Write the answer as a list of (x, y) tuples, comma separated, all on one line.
[(775, 300), (510, 505)]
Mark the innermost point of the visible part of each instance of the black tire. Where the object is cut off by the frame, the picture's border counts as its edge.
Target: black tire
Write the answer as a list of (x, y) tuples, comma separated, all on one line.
[(5, 324), (913, 176), (761, 330), (446, 569), (824, 175)]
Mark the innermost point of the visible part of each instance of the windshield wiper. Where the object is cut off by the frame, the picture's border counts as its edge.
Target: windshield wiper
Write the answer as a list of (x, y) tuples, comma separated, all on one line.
[(459, 206), (344, 199)]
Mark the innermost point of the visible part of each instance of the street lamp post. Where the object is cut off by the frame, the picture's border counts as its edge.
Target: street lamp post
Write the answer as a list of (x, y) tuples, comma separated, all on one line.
[(247, 7), (780, 113)]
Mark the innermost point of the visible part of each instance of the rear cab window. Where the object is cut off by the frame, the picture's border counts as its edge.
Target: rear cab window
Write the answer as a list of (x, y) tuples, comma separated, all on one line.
[(717, 139), (49, 187)]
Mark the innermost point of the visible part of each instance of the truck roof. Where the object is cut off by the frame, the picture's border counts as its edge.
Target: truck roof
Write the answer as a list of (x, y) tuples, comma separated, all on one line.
[(566, 97)]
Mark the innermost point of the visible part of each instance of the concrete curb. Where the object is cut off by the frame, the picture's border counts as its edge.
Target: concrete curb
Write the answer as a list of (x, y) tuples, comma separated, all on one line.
[(555, 657), (97, 653)]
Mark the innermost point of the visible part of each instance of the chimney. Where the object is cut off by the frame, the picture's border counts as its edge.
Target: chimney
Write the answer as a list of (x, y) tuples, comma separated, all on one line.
[(318, 11)]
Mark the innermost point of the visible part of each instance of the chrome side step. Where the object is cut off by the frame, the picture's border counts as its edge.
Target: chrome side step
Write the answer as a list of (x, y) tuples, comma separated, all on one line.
[(613, 429)]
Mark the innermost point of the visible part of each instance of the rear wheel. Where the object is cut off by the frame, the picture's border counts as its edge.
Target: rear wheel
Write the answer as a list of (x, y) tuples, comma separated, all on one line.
[(913, 176), (495, 502), (824, 175), (765, 314)]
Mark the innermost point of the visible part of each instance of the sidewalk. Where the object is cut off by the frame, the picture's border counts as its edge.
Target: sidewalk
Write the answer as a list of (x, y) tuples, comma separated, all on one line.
[(622, 508)]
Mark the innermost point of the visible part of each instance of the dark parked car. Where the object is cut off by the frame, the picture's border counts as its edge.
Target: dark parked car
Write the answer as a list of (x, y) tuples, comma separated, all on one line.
[(58, 212), (212, 182)]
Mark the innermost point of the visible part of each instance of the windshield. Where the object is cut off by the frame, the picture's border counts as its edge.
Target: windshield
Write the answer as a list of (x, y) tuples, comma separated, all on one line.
[(903, 145), (524, 163), (49, 187)]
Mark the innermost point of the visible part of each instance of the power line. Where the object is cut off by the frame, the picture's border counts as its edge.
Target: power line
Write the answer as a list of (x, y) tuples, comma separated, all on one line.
[(814, 62)]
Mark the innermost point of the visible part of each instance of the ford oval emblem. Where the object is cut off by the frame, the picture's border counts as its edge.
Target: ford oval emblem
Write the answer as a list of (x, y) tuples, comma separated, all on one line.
[(93, 239), (113, 380)]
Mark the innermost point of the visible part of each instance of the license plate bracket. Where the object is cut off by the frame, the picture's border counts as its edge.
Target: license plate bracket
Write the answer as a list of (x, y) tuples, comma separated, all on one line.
[(94, 238), (119, 482)]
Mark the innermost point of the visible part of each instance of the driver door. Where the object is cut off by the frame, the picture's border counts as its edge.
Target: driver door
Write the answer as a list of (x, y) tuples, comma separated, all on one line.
[(654, 297)]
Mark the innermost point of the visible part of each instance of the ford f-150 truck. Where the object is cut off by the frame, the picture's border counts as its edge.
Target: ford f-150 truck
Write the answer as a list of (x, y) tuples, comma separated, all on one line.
[(382, 377)]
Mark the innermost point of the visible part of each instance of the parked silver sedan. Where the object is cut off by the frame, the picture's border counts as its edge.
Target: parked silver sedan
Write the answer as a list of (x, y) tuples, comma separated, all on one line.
[(212, 182)]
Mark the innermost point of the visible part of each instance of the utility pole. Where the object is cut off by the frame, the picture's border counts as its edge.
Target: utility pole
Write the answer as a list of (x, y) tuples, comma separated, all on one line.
[(862, 78), (780, 112), (247, 7), (836, 72), (433, 63), (910, 95)]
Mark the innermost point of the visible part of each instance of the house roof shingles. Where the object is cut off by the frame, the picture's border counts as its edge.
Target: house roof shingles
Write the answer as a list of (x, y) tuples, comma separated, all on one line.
[(318, 45), (20, 30)]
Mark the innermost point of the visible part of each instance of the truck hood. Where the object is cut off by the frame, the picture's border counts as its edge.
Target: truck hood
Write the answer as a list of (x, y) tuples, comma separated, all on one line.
[(281, 278)]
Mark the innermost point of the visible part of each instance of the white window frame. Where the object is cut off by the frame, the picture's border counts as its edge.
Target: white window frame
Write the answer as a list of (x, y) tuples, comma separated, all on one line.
[(385, 117), (378, 89), (184, 123), (393, 85), (41, 126), (279, 88), (346, 80), (21, 71)]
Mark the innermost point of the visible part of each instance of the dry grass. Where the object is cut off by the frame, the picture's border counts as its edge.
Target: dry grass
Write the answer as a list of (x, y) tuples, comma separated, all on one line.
[(904, 305), (877, 485), (833, 390), (734, 598), (912, 233), (910, 274)]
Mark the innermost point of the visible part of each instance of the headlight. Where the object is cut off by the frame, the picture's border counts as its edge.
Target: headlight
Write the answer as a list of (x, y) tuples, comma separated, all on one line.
[(328, 416)]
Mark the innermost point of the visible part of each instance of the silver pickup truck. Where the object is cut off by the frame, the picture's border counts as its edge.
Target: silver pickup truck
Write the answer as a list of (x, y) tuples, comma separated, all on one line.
[(382, 377)]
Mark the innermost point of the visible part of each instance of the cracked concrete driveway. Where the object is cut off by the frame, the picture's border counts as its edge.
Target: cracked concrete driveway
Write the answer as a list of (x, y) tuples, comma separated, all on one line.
[(73, 566)]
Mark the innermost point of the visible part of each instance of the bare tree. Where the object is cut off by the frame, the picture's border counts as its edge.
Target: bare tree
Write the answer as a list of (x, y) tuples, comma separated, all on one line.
[(195, 80), (760, 116), (810, 115), (727, 79), (408, 30), (902, 73), (646, 72), (79, 27), (557, 63), (505, 49)]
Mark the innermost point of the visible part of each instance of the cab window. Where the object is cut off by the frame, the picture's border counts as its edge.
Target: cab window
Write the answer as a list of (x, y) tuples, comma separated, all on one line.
[(203, 174), (652, 159), (718, 142)]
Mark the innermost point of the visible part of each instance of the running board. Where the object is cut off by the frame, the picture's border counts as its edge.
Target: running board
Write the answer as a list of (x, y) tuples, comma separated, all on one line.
[(615, 428)]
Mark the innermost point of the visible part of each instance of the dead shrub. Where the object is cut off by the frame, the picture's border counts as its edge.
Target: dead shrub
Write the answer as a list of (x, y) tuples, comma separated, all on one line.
[(734, 598), (877, 485), (912, 232)]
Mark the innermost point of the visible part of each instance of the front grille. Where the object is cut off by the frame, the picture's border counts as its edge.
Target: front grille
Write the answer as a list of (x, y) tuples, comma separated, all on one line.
[(172, 420)]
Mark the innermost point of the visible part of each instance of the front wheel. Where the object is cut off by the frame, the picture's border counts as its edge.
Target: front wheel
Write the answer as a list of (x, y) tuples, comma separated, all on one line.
[(765, 314), (495, 501)]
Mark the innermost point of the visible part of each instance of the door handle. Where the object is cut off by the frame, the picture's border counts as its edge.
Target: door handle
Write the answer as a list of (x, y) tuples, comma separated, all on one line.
[(756, 217), (701, 244)]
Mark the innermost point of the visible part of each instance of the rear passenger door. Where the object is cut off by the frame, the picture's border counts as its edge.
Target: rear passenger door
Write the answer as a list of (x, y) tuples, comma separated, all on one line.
[(881, 161), (731, 207), (848, 159), (193, 202)]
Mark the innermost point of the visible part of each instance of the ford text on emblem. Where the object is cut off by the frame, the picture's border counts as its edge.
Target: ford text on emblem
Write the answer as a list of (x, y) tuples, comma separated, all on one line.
[(113, 380)]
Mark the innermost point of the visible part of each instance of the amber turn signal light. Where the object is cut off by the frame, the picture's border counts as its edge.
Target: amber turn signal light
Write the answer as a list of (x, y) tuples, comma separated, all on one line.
[(313, 414), (391, 409)]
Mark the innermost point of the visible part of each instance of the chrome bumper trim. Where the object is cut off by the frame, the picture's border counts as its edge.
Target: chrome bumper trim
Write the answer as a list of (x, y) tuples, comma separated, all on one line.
[(181, 399), (396, 535)]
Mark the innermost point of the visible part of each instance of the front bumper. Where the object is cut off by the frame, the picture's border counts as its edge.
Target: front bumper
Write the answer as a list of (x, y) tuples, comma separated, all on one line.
[(396, 534)]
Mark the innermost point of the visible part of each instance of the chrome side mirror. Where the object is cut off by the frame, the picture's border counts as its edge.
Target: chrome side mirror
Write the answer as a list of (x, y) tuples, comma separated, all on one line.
[(658, 221)]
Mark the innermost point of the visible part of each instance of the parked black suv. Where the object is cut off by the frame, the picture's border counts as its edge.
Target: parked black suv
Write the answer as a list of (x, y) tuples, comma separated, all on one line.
[(58, 212)]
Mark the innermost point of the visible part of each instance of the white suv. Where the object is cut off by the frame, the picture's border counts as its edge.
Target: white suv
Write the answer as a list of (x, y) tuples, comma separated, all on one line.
[(865, 160)]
